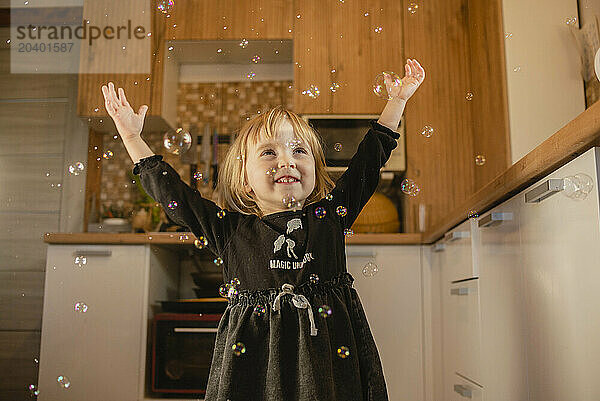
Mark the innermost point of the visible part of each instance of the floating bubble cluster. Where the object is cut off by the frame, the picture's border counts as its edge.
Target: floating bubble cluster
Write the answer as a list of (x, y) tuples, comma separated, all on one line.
[(238, 348), (63, 381), (201, 242), (370, 269), (312, 91), (427, 131), (343, 352), (77, 168), (165, 6), (480, 160), (325, 311), (409, 187), (320, 212)]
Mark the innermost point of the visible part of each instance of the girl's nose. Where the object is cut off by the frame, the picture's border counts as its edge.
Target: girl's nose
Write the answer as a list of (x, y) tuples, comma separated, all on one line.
[(288, 164)]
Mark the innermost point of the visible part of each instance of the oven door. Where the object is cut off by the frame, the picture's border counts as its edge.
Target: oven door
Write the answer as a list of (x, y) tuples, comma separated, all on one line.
[(182, 352)]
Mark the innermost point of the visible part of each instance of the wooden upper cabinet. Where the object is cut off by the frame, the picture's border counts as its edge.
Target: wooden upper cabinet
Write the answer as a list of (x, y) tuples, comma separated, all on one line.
[(231, 19), (336, 42), (158, 89)]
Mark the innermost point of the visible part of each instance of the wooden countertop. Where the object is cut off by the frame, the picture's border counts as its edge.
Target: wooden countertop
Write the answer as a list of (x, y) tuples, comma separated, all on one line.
[(570, 141)]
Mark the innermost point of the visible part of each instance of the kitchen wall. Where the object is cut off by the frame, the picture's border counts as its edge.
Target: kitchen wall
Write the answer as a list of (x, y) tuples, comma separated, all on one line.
[(544, 85), (225, 106)]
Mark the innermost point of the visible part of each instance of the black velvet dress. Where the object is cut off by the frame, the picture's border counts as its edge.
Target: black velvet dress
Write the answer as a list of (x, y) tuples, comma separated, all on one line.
[(273, 341)]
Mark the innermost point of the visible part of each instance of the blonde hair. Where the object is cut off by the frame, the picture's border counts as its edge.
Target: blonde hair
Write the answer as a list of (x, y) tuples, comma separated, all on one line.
[(230, 190)]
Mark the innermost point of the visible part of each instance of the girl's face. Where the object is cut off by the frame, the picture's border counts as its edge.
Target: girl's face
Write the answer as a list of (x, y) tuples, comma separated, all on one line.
[(270, 163)]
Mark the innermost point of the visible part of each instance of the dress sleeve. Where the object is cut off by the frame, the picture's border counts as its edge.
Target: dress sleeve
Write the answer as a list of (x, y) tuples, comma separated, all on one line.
[(358, 183), (185, 205)]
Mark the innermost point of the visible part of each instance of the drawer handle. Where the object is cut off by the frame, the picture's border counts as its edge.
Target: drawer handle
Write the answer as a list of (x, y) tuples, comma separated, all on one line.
[(195, 329), (463, 390), (439, 247), (454, 235), (494, 219), (361, 254), (545, 190), (92, 252), (459, 291)]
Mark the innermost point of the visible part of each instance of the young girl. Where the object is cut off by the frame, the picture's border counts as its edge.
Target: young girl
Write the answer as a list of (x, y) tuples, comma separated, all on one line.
[(294, 327)]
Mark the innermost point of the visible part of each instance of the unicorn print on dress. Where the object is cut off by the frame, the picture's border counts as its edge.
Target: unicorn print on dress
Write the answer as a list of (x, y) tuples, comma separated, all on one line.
[(293, 224)]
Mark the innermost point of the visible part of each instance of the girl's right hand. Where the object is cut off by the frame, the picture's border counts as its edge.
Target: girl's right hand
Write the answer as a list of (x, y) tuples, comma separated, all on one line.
[(129, 124)]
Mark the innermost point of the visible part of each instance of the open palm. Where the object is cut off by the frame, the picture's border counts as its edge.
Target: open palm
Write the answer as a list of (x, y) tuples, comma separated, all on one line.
[(129, 124), (415, 75)]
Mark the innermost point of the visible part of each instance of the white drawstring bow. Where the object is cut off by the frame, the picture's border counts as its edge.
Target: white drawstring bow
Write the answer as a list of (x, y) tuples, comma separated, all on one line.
[(299, 301)]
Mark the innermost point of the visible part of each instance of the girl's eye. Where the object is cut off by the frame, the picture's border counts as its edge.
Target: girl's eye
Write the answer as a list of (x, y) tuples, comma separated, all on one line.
[(301, 149), (267, 151)]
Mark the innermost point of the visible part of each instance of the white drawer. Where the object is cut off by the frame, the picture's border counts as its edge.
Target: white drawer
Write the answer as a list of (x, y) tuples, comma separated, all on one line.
[(459, 257), (462, 329)]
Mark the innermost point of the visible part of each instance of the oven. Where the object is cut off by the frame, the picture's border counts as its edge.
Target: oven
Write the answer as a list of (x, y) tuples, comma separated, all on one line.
[(182, 350)]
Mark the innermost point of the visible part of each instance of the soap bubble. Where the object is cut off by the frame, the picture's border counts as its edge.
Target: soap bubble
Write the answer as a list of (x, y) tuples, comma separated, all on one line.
[(107, 155), (290, 202), (165, 6), (413, 7), (77, 168), (313, 278), (63, 381), (243, 43), (577, 186), (198, 176), (409, 187), (472, 214), (334, 87), (337, 147), (480, 160), (378, 29), (218, 261), (370, 269), (325, 311), (341, 211), (178, 141), (80, 307), (259, 310), (224, 290), (256, 59), (571, 21), (201, 242), (427, 131), (312, 91), (33, 391), (238, 348), (80, 260), (329, 196), (320, 212), (221, 214), (348, 232), (251, 75), (172, 205), (387, 77), (272, 171), (235, 281), (343, 352), (469, 96)]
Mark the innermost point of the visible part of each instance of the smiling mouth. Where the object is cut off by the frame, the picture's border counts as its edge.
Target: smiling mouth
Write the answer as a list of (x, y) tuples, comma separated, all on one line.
[(287, 180)]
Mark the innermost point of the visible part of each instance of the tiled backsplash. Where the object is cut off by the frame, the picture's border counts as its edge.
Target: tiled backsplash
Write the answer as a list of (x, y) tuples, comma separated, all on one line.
[(225, 106)]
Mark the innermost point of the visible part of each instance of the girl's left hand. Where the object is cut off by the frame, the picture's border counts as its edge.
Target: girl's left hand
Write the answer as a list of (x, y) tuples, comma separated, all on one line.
[(415, 75)]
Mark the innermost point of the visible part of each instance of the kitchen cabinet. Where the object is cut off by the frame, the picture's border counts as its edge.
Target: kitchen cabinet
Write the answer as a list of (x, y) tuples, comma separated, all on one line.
[(392, 302), (157, 88), (344, 43), (503, 330), (560, 241), (461, 332), (522, 323), (96, 317)]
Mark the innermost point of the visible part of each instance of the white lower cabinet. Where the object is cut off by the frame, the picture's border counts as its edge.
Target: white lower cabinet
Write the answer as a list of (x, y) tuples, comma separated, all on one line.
[(392, 303), (95, 319), (526, 325), (560, 239)]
